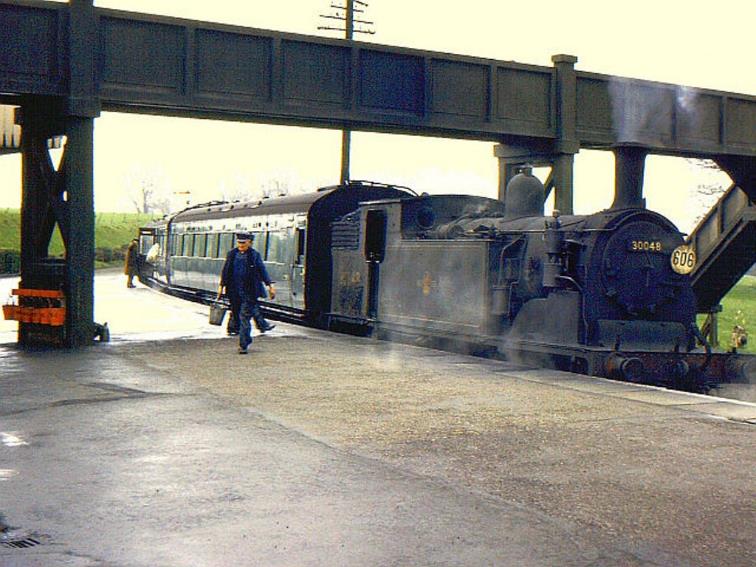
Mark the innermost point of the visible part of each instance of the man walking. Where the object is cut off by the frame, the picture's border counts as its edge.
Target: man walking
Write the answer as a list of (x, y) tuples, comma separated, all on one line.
[(243, 279)]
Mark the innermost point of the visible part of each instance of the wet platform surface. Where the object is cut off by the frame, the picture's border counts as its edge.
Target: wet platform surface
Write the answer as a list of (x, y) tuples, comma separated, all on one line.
[(324, 449)]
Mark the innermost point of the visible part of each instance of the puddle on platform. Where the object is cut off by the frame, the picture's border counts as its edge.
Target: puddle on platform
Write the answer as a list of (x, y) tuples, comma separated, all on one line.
[(11, 440), (7, 474)]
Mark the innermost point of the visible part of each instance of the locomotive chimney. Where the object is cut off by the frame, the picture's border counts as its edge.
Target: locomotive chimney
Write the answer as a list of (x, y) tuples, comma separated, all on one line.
[(629, 165), (524, 196)]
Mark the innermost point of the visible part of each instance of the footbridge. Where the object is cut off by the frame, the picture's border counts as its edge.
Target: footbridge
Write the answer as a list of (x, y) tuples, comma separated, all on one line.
[(725, 244), (64, 63)]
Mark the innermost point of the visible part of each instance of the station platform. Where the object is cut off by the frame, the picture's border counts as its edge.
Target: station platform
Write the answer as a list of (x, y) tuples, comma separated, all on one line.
[(326, 449)]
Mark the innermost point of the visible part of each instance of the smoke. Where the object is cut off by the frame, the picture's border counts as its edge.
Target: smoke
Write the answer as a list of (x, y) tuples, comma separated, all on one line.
[(686, 99), (475, 210), (643, 112), (689, 113), (633, 109)]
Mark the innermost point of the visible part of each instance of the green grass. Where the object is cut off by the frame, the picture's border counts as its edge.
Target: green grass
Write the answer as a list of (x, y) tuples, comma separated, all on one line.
[(112, 231), (739, 307)]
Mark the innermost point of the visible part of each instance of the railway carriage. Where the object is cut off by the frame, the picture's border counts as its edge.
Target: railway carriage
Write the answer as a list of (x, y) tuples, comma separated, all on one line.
[(292, 233)]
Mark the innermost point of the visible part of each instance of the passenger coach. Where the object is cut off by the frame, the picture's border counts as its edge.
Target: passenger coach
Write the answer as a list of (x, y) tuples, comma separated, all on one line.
[(292, 233)]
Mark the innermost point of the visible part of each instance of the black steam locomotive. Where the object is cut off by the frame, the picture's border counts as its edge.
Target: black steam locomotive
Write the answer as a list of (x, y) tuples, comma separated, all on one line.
[(605, 294)]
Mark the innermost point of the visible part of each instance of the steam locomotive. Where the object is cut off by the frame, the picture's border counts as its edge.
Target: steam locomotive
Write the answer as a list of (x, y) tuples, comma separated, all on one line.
[(605, 294)]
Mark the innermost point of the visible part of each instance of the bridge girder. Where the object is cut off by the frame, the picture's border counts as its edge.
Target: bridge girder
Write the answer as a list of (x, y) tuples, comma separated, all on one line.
[(160, 65)]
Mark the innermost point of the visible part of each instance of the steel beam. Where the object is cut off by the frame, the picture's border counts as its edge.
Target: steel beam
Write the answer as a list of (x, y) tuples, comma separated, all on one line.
[(41, 206)]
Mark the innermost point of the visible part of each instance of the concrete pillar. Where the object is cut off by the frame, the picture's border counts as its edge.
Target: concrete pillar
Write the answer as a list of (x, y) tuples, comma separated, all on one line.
[(563, 176)]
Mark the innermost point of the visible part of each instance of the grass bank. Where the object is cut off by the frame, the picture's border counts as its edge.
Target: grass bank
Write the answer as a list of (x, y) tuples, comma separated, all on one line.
[(113, 231), (739, 308)]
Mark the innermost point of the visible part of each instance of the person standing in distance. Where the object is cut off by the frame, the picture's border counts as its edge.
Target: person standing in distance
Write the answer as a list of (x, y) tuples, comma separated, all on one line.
[(130, 267), (243, 280)]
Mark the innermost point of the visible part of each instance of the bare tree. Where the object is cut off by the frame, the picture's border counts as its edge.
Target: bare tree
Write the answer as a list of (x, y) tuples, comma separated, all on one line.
[(239, 189), (161, 205), (142, 196), (707, 192), (147, 191), (276, 188)]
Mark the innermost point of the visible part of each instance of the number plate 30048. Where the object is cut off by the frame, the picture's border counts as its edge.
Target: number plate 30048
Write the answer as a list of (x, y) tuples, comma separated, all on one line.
[(644, 246)]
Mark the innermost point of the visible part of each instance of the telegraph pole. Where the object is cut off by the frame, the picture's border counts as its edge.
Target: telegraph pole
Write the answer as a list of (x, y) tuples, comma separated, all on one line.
[(345, 13)]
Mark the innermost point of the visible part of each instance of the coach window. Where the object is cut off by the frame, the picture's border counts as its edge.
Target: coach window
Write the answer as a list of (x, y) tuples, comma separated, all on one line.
[(271, 247), (212, 246), (259, 243), (200, 241), (145, 241), (226, 243), (274, 247), (188, 245)]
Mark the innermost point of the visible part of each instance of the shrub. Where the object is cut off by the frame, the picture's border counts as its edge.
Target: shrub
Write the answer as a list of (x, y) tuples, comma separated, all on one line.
[(10, 261)]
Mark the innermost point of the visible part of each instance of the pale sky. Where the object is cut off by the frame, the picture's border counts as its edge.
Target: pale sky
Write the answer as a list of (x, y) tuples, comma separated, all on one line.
[(691, 42)]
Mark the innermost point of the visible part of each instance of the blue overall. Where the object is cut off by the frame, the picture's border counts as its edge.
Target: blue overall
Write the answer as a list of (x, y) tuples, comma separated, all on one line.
[(244, 275)]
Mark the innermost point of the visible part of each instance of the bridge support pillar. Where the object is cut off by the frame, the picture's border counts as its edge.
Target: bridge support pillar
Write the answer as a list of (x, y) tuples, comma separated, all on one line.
[(511, 159), (80, 248), (742, 171), (559, 154), (64, 197)]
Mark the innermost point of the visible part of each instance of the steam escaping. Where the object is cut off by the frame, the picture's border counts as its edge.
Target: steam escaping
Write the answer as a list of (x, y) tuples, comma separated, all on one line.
[(686, 99), (642, 112)]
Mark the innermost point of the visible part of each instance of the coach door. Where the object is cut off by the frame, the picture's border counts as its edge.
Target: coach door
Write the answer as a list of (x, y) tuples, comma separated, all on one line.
[(298, 269), (375, 252)]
